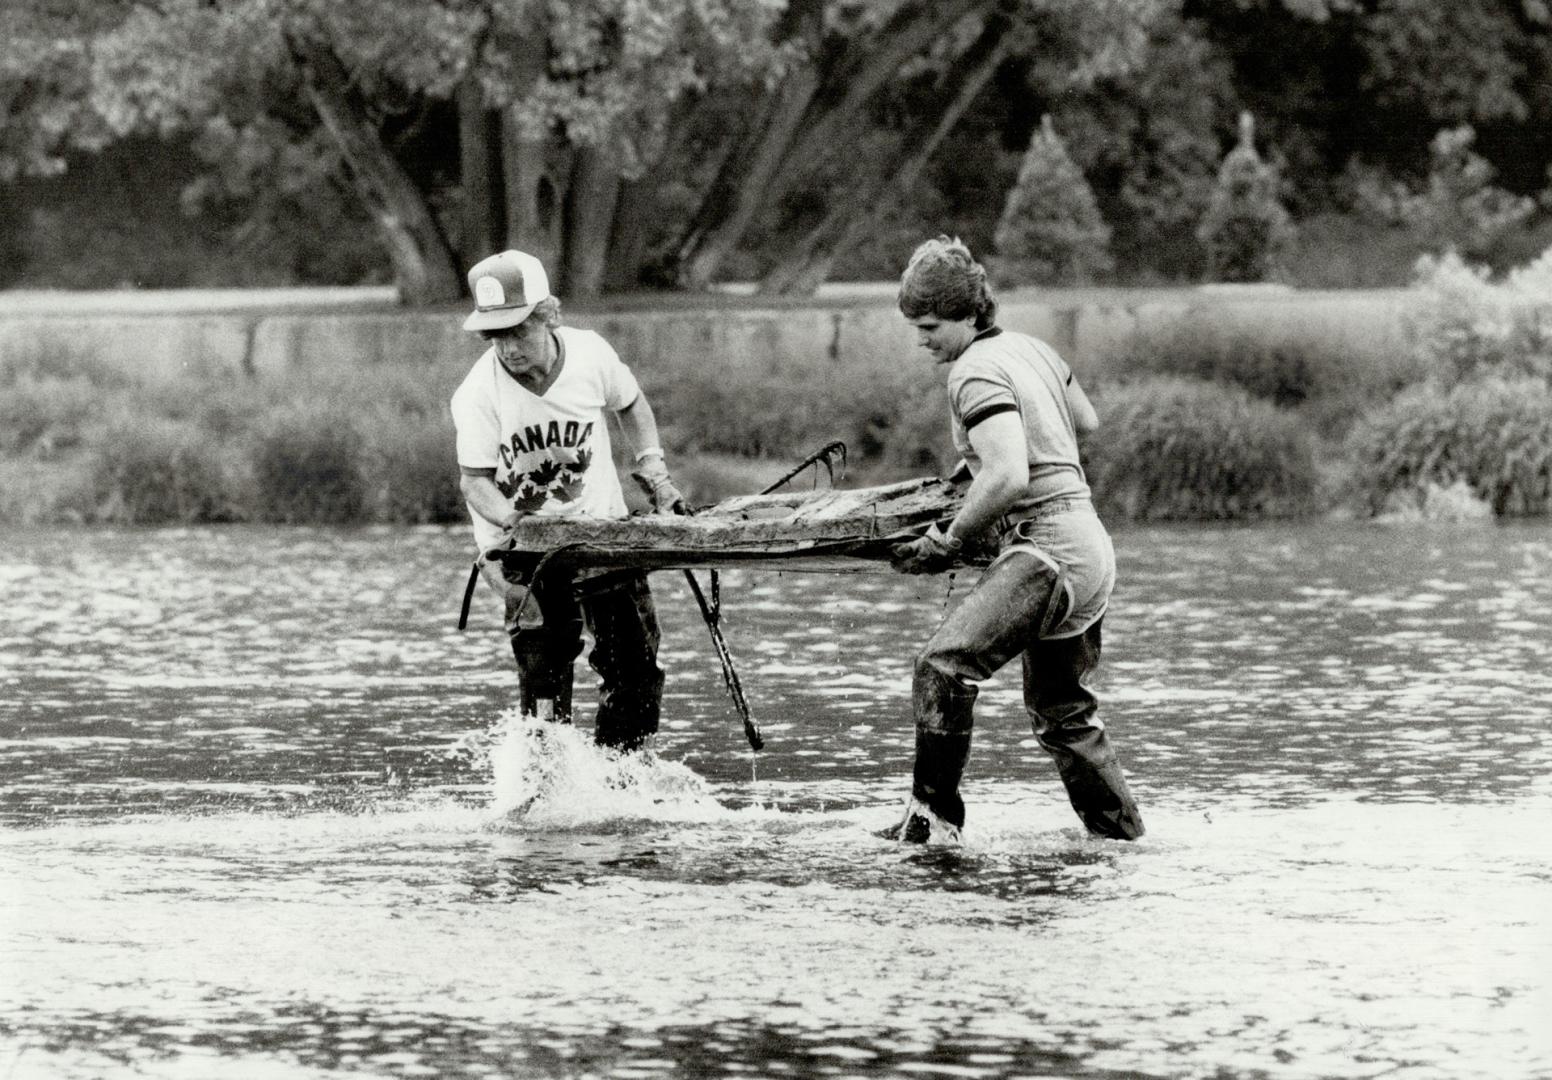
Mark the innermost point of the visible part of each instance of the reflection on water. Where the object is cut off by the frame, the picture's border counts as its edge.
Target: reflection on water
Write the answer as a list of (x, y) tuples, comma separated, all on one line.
[(256, 793)]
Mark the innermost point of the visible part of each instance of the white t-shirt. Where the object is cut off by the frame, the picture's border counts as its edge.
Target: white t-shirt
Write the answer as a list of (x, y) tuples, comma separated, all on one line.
[(551, 451)]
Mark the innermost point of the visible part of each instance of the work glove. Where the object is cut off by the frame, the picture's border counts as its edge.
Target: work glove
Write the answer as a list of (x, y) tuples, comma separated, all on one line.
[(652, 476), (933, 552)]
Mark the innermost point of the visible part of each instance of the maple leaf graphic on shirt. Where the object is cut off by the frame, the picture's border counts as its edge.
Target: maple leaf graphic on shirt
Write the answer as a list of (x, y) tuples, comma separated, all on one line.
[(550, 479), (545, 474), (529, 499), (570, 486)]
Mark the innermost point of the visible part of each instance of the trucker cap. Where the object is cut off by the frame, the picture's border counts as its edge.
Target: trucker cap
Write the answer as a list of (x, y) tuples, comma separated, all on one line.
[(506, 286)]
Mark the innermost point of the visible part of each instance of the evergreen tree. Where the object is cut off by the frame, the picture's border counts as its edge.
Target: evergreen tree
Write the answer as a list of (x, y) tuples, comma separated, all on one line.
[(1460, 206), (1246, 227), (1051, 231)]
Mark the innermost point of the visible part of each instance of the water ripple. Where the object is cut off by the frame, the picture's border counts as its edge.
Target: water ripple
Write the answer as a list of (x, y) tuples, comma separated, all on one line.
[(267, 814)]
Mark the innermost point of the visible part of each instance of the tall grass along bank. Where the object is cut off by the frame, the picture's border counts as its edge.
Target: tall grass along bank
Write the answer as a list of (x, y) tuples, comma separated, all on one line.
[(1492, 435), (1172, 449), (1200, 422)]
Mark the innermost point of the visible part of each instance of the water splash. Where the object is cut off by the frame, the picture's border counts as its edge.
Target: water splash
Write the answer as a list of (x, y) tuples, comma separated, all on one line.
[(554, 775)]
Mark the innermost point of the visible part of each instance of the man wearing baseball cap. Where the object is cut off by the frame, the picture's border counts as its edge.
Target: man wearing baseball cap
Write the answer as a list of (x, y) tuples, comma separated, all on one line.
[(533, 438)]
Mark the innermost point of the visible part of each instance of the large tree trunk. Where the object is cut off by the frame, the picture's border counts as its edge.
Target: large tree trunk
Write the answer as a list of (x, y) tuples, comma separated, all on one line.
[(533, 168), (628, 239), (591, 198), (733, 199), (862, 71), (534, 191), (804, 124), (739, 192), (479, 157), (423, 263), (807, 265)]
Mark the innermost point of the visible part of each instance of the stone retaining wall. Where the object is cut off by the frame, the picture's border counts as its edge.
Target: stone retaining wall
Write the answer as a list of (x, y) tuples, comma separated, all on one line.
[(1095, 329)]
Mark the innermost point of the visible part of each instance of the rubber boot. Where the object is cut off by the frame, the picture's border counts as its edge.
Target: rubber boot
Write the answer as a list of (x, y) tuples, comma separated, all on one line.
[(934, 813), (940, 762), (1096, 787), (622, 619), (921, 826), (544, 681)]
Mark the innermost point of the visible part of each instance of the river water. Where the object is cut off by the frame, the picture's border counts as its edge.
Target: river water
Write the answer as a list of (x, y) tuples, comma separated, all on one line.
[(255, 783)]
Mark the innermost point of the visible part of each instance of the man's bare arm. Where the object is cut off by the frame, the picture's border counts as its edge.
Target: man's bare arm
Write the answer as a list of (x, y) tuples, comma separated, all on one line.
[(1084, 419), (485, 498), (639, 424), (1004, 477)]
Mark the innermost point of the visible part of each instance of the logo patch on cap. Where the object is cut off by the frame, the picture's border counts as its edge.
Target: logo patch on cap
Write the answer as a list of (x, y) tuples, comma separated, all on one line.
[(488, 293)]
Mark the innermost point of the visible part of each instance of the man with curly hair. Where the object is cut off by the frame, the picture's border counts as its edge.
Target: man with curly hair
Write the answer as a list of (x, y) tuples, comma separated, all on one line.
[(1016, 412), (533, 438)]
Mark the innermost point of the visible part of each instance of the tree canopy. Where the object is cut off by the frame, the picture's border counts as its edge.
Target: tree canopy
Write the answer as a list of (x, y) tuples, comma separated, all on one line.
[(677, 142)]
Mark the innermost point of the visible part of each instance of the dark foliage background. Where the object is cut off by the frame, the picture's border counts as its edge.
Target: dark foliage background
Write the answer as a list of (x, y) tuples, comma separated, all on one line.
[(649, 143)]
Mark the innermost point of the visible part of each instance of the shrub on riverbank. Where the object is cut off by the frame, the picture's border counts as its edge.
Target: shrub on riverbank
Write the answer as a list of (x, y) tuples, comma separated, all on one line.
[(1317, 377), (308, 469), (890, 419), (1182, 449), (1470, 326), (43, 417), (1215, 431), (1494, 435), (157, 472), (1481, 422), (1285, 374), (249, 452), (56, 360), (339, 448), (411, 475)]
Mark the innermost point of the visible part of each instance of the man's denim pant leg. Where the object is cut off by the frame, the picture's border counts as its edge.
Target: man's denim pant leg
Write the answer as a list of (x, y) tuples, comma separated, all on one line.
[(999, 620), (619, 614)]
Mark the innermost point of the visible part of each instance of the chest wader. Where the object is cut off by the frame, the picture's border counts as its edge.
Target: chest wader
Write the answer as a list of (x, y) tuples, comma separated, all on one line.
[(546, 632), (1011, 611)]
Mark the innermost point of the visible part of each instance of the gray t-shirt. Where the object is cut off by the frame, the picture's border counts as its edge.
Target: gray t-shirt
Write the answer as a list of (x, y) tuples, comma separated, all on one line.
[(1005, 371)]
